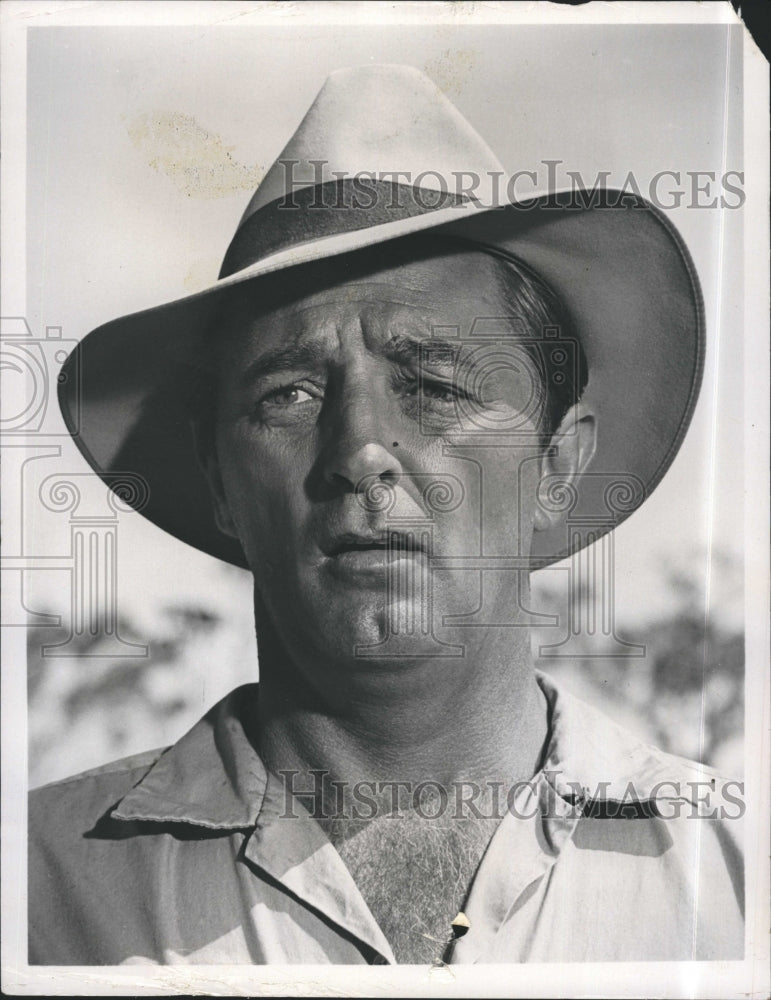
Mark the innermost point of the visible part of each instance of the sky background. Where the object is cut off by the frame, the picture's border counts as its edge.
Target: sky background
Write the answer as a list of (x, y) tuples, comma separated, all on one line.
[(144, 147)]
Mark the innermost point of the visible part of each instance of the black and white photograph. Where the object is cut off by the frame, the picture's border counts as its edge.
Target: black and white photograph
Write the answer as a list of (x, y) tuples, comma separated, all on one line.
[(385, 560)]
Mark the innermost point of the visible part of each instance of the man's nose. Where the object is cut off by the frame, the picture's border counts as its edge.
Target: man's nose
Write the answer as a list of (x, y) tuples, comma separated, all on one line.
[(360, 444)]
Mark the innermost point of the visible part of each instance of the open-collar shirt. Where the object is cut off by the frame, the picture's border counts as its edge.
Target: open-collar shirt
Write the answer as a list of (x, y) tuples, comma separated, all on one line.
[(613, 851)]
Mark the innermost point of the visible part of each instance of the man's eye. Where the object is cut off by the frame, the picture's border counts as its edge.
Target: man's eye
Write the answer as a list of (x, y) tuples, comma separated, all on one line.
[(442, 392), (287, 396)]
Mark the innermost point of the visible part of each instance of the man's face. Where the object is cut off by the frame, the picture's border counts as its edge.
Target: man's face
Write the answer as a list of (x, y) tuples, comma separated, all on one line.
[(358, 440)]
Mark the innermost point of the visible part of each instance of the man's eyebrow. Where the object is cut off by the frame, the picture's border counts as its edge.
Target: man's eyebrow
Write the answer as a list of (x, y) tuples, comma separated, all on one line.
[(437, 353), (281, 359)]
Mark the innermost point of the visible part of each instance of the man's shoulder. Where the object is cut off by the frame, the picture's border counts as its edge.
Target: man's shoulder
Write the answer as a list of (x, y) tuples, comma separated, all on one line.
[(123, 765), (611, 761)]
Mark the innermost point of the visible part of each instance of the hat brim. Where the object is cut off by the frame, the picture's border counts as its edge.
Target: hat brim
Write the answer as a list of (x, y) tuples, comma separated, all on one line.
[(620, 268)]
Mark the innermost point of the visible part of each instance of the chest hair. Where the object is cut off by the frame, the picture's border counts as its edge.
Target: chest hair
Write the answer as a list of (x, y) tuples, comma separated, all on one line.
[(414, 873)]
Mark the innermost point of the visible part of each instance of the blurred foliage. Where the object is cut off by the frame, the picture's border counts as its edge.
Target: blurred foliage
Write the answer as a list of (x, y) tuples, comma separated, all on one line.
[(88, 708), (685, 695)]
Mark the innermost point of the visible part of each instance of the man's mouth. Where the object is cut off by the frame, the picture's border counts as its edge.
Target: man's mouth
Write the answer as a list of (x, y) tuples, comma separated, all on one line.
[(372, 553)]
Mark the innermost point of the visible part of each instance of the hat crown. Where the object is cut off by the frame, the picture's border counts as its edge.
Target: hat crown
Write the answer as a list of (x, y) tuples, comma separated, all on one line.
[(383, 120), (624, 275)]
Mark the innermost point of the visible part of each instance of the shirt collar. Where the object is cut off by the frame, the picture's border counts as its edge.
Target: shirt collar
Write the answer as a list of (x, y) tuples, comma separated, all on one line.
[(590, 758), (213, 777)]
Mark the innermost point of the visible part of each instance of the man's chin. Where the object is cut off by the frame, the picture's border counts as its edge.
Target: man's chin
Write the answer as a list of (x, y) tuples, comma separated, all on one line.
[(376, 633)]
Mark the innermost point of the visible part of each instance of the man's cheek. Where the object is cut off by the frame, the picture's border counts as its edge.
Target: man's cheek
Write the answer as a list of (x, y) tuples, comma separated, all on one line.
[(257, 519)]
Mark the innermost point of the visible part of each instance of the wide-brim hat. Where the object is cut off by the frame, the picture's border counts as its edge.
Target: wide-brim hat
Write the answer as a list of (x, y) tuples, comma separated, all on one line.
[(373, 161)]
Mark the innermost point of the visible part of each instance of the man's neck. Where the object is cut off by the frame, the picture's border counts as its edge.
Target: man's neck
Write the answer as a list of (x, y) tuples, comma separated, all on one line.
[(479, 720), (408, 765)]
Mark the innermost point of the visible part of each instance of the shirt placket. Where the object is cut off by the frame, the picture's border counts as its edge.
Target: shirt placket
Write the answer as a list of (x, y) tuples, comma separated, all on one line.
[(295, 852), (524, 848)]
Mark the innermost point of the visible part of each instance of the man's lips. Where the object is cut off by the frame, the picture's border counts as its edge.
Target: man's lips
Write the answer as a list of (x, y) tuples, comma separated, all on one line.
[(355, 541), (372, 552)]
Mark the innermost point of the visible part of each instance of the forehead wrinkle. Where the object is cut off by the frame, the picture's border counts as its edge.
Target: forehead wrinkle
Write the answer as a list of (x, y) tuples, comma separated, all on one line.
[(422, 285), (413, 305), (313, 329), (328, 308)]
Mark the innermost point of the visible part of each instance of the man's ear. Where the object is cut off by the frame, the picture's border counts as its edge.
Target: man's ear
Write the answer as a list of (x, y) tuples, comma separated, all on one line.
[(568, 453), (206, 451)]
